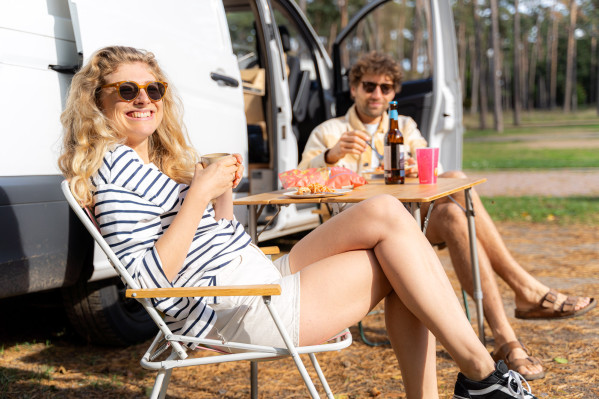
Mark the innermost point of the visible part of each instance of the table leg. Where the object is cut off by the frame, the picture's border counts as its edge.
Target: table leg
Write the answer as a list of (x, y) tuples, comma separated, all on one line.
[(415, 210), (253, 222), (477, 292)]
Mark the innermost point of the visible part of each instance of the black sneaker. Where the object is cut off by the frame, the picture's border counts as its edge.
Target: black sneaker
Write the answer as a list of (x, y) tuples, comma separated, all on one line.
[(501, 384)]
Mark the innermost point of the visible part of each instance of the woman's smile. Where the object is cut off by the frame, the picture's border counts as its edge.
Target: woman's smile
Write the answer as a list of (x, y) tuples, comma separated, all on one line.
[(140, 115)]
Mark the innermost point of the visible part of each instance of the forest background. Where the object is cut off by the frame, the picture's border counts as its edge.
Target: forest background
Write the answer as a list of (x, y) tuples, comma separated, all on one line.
[(543, 53)]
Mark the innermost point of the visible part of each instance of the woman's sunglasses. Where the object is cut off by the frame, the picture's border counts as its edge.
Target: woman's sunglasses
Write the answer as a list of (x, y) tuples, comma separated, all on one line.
[(369, 87), (128, 91)]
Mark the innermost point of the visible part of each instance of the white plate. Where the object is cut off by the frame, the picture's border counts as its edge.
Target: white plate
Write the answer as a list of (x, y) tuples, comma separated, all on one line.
[(337, 192)]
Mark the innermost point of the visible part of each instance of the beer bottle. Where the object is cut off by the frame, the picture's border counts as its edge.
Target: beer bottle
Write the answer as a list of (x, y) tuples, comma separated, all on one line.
[(394, 150)]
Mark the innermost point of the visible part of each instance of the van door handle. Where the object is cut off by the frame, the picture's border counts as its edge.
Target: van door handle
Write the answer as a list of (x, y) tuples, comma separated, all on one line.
[(72, 69), (227, 80)]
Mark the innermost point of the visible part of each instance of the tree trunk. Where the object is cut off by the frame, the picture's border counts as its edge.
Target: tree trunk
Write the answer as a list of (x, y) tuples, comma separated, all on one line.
[(418, 35), (506, 95), (342, 4), (332, 36), (302, 5), (475, 76), (462, 45), (532, 70), (478, 54), (570, 58), (593, 71), (517, 64), (496, 68), (553, 76)]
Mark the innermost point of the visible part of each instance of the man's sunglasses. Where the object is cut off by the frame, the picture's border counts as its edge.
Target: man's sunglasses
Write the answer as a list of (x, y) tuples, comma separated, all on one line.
[(128, 91), (369, 87)]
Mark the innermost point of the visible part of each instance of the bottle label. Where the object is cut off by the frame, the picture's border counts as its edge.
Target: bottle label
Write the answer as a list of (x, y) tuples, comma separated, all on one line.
[(394, 158), (393, 114)]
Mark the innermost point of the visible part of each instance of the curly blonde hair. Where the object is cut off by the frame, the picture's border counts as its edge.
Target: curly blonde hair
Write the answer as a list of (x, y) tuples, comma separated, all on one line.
[(88, 134)]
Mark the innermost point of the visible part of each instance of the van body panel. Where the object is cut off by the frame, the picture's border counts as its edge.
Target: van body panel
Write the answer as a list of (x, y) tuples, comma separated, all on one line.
[(447, 128), (42, 246), (28, 46)]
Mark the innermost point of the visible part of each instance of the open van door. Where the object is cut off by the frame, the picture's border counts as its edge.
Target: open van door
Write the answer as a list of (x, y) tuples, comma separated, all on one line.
[(256, 37), (195, 53), (421, 36)]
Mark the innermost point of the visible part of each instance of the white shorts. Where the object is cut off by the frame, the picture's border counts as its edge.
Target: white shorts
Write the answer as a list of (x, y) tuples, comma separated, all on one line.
[(246, 319)]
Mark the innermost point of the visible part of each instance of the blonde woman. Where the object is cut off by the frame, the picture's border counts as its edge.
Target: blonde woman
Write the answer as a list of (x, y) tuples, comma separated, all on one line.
[(126, 154)]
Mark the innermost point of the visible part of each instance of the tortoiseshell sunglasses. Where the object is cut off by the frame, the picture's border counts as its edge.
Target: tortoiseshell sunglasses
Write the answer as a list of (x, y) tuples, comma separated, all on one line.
[(128, 91)]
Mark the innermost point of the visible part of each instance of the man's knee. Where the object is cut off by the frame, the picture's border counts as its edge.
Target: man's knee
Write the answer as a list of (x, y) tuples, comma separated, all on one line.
[(456, 174), (451, 218)]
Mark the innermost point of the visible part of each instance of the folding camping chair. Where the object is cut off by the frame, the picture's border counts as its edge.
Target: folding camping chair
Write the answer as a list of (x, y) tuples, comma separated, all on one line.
[(165, 339)]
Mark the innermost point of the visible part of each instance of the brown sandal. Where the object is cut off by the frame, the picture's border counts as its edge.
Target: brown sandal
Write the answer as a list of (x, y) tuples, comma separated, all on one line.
[(545, 309), (504, 353)]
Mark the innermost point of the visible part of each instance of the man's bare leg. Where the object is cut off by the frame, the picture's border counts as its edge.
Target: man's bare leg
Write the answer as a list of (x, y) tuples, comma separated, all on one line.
[(528, 290)]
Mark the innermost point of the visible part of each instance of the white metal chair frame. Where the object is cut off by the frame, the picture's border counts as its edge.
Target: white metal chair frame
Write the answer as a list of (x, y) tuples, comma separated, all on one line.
[(165, 339)]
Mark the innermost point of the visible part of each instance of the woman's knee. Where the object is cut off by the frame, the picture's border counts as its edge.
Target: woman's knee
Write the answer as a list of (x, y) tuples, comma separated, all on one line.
[(384, 210)]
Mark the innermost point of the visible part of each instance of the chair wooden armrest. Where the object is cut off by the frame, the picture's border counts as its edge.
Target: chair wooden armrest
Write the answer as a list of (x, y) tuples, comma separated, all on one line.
[(270, 250), (228, 290)]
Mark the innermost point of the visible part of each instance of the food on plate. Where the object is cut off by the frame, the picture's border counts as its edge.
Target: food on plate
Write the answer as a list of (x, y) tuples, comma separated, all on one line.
[(303, 190), (314, 188)]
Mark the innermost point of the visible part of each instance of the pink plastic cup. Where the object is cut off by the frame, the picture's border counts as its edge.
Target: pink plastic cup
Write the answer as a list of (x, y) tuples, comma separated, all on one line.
[(428, 161)]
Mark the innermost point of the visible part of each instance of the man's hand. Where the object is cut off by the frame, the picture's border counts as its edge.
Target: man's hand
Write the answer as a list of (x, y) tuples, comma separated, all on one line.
[(352, 142), (411, 167)]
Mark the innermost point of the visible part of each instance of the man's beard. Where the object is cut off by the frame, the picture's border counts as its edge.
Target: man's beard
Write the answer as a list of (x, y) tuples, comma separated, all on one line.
[(373, 112)]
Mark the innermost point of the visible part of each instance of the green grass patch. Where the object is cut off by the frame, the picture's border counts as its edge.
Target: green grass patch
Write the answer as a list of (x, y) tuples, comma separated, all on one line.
[(513, 155), (570, 128), (580, 210)]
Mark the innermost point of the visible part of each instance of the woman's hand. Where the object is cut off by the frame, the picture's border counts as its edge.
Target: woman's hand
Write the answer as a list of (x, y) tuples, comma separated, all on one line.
[(239, 171), (217, 178)]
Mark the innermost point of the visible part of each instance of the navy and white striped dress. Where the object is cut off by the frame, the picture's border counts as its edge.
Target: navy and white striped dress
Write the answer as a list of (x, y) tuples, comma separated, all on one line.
[(134, 204)]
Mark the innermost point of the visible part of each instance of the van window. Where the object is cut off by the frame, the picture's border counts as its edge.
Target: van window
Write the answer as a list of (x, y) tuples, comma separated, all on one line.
[(400, 29), (242, 29), (305, 88), (246, 47), (294, 44)]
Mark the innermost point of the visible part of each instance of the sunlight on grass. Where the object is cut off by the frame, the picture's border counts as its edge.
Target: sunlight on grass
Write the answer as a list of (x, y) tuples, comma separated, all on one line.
[(580, 210), (489, 156), (572, 142)]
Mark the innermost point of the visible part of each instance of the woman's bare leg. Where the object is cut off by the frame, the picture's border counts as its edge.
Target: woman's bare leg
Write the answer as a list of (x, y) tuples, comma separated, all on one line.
[(330, 303), (331, 291), (414, 346), (449, 225)]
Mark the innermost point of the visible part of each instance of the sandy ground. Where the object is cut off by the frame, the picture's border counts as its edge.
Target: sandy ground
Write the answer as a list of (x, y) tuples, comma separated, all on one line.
[(558, 183)]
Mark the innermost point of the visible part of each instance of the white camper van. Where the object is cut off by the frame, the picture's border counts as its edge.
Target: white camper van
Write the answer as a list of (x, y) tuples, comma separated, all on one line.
[(254, 79)]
